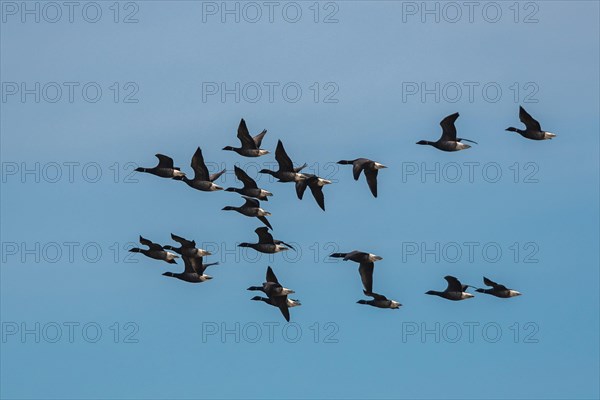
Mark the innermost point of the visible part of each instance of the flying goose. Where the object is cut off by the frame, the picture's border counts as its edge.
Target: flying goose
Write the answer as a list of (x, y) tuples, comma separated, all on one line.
[(155, 251), (533, 130), (202, 180), (250, 145), (371, 169), (286, 172), (266, 243), (379, 301), (250, 188), (194, 270), (251, 208), (187, 248), (316, 187), (164, 169), (497, 290), (281, 302), (272, 287), (448, 141), (366, 264), (455, 290)]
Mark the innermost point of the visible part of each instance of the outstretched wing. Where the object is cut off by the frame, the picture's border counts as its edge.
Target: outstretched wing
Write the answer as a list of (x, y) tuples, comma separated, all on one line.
[(150, 244), (271, 276), (264, 237), (250, 202), (376, 296), (317, 192), (371, 175), (265, 221), (244, 136), (357, 167), (454, 284), (448, 128), (184, 242), (199, 167), (281, 303), (258, 138), (301, 187), (164, 161), (215, 176), (493, 284), (244, 178), (284, 161), (193, 265), (366, 275), (528, 120)]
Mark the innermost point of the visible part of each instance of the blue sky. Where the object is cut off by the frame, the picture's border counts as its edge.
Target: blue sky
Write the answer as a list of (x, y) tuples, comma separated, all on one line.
[(366, 61)]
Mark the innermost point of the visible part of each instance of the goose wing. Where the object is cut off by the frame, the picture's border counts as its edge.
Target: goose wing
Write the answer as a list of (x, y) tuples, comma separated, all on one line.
[(265, 221), (184, 242), (259, 138), (244, 136), (281, 303), (366, 275), (150, 244), (376, 296), (193, 265), (164, 161), (448, 128), (493, 284), (301, 187), (454, 284), (284, 161), (317, 192), (530, 123), (250, 202), (357, 167), (264, 237), (244, 178), (199, 167), (271, 276), (371, 175)]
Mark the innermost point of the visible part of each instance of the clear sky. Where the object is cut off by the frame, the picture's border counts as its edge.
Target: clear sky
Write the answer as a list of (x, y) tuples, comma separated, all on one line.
[(375, 77)]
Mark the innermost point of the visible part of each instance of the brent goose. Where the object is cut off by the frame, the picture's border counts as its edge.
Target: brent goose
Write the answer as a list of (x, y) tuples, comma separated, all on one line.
[(281, 302), (250, 188), (194, 270), (379, 301), (187, 248), (366, 264), (202, 180), (250, 145), (286, 172), (533, 130), (497, 290), (316, 187), (164, 169), (251, 208), (272, 287), (448, 141), (371, 169), (155, 251), (266, 243), (455, 290)]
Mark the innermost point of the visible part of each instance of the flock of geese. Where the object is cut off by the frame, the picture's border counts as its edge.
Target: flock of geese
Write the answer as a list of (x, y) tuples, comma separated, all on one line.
[(277, 295)]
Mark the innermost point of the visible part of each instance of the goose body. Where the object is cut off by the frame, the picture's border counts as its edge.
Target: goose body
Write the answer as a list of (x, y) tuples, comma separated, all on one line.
[(202, 179), (448, 141), (251, 208), (533, 129), (277, 294), (193, 272), (266, 243), (497, 289), (164, 169), (286, 172), (371, 169), (155, 251), (379, 301), (316, 187), (366, 265), (455, 290), (250, 145), (250, 188)]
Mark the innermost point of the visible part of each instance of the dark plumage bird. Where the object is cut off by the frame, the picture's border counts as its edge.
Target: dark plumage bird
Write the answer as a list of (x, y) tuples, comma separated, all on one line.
[(497, 289), (250, 188), (155, 251), (316, 187), (250, 145), (251, 208), (272, 287), (187, 248), (286, 172), (371, 169), (366, 265), (164, 169), (448, 141), (194, 270), (533, 130), (202, 180), (379, 301), (266, 243), (277, 294), (455, 290)]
